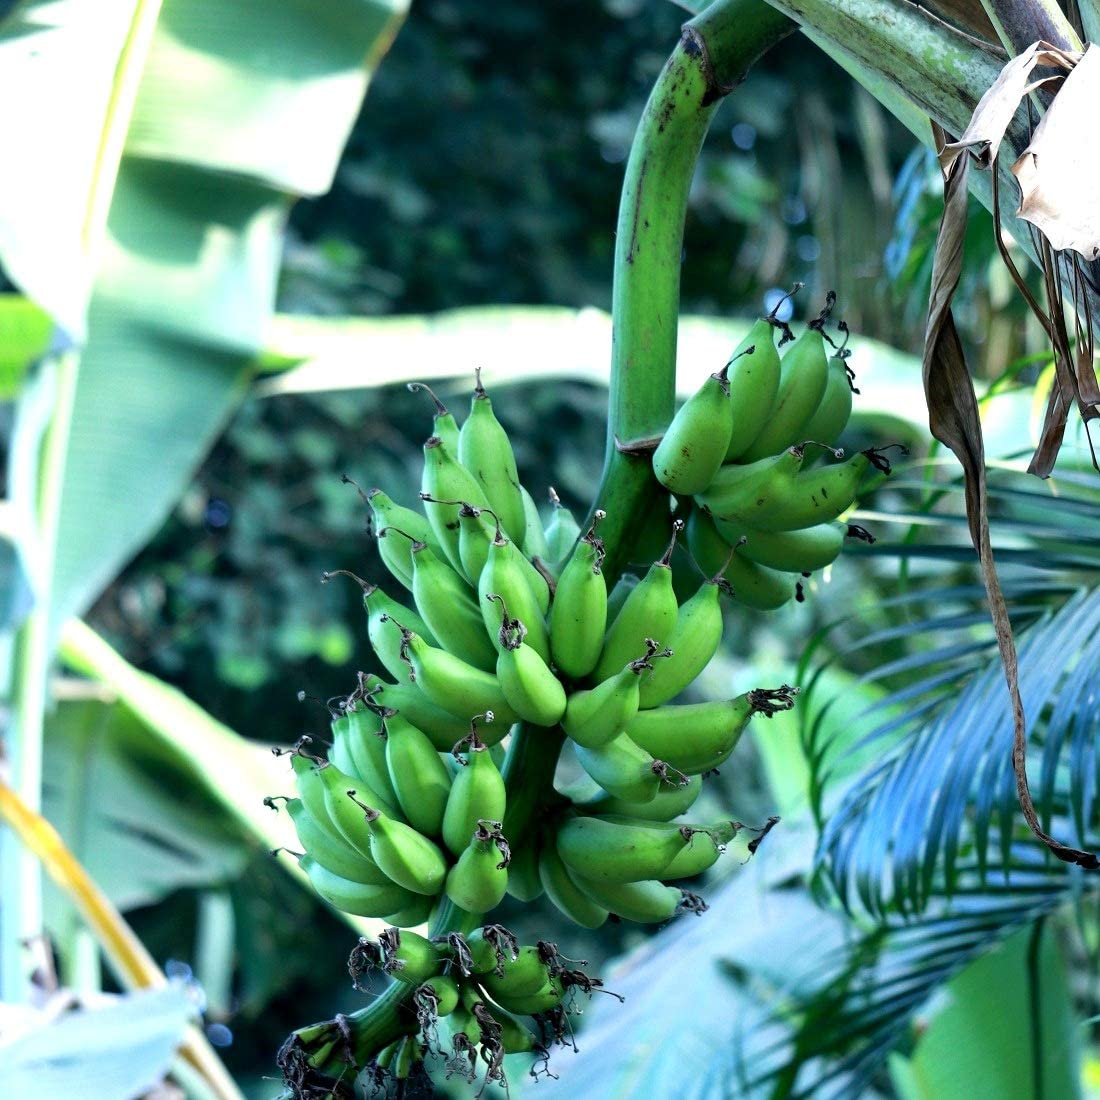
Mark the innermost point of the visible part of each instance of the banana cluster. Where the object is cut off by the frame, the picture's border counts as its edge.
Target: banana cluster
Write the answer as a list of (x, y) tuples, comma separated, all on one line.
[(510, 622), (482, 986), (743, 449)]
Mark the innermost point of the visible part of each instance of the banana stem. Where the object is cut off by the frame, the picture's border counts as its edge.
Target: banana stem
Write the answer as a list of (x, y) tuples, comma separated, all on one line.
[(715, 52)]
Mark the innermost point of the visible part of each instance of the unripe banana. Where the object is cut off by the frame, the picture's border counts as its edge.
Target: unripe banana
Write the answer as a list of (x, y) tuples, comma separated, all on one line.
[(593, 717), (547, 998), (409, 1055), (441, 726), (560, 888), (445, 478), (620, 849), (669, 802), (486, 451), (753, 585), (562, 531), (479, 880), (354, 897), (813, 496), (448, 607), (410, 859), (509, 574), (385, 638), (444, 425), (531, 689), (343, 813), (624, 769), (396, 553), (692, 644), (701, 853), (648, 612), (696, 737), (803, 551), (515, 1036), (333, 853), (475, 533), (578, 615), (522, 976), (477, 793), (418, 775), (696, 441), (416, 912), (407, 956), (488, 949), (443, 990), (534, 538), (754, 383), (649, 902), (365, 739), (616, 598), (524, 883), (831, 416), (802, 377), (735, 489), (452, 683)]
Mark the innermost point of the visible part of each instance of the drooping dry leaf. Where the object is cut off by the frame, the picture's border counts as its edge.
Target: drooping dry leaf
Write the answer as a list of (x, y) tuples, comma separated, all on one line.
[(954, 420), (995, 109), (1059, 172)]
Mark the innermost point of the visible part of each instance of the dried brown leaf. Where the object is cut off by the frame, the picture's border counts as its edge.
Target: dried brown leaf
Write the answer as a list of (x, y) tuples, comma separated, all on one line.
[(1059, 172)]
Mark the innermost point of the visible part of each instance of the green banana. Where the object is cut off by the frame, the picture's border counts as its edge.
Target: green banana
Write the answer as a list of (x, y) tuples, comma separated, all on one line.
[(342, 812), (396, 555), (816, 495), (487, 949), (619, 593), (701, 853), (444, 425), (418, 775), (695, 443), (802, 378), (445, 478), (620, 849), (547, 998), (562, 531), (534, 537), (578, 615), (486, 451), (452, 683), (648, 612), (647, 902), (443, 990), (624, 769), (416, 912), (668, 803), (475, 532), (522, 976), (366, 740), (735, 489), (753, 585), (477, 793), (515, 1036), (831, 416), (405, 1061), (509, 574), (754, 383), (441, 726), (696, 737), (354, 897), (410, 859), (407, 956), (692, 644), (523, 873), (448, 607), (479, 879), (531, 689), (593, 717), (568, 898), (803, 551), (332, 852)]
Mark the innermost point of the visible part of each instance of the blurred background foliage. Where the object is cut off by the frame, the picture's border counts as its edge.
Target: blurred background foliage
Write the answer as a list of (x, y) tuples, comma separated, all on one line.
[(485, 169)]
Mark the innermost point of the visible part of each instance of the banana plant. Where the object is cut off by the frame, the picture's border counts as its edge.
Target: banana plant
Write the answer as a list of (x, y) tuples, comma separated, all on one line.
[(143, 231)]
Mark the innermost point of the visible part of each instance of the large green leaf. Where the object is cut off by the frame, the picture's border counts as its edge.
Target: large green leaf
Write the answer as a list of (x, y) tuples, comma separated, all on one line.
[(114, 1051), (227, 111)]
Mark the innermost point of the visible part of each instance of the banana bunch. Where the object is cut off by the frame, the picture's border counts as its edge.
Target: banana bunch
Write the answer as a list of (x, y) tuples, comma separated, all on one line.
[(743, 448), (482, 986), (510, 621)]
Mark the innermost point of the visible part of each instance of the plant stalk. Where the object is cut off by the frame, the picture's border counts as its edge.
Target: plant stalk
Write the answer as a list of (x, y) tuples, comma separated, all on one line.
[(715, 51)]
